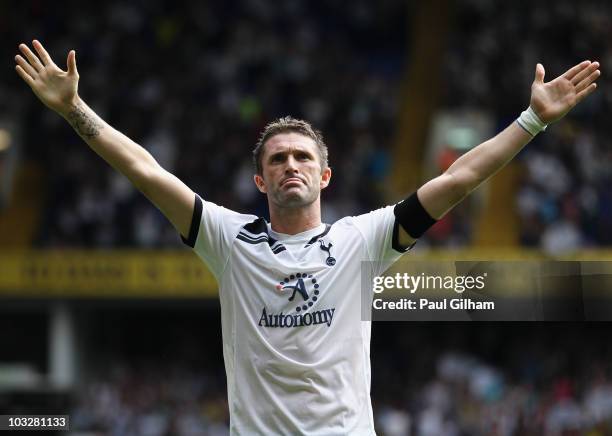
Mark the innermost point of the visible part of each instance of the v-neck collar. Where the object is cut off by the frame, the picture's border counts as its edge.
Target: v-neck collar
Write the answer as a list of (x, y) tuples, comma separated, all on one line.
[(309, 235)]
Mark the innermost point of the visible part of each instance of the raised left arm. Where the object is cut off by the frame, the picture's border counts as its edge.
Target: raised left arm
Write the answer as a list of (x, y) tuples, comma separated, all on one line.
[(549, 102)]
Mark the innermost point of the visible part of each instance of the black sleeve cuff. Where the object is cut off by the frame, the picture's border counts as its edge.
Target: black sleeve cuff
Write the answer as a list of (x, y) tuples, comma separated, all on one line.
[(195, 223), (413, 218), (395, 244)]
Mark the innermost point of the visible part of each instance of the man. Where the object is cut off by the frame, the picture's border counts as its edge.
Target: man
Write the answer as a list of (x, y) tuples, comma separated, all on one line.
[(296, 351)]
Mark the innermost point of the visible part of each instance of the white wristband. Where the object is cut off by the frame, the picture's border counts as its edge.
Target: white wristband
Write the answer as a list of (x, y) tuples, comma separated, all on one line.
[(530, 121)]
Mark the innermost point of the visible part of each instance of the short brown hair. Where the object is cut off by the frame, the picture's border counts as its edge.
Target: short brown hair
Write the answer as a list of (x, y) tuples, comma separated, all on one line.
[(285, 125)]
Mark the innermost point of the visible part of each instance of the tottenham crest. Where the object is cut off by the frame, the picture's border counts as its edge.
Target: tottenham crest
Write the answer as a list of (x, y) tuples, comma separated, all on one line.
[(330, 261)]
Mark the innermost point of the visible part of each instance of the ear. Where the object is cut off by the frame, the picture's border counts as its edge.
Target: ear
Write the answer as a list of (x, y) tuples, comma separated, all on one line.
[(259, 182), (325, 177)]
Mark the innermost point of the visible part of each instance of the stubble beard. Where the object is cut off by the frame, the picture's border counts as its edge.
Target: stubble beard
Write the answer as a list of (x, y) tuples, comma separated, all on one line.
[(294, 200)]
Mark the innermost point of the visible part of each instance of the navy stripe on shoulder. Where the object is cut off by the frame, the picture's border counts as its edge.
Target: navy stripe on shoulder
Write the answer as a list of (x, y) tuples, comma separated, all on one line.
[(246, 236), (256, 232), (194, 228), (242, 237)]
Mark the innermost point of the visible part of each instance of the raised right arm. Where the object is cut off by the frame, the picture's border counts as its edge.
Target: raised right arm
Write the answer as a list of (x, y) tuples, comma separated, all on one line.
[(57, 89)]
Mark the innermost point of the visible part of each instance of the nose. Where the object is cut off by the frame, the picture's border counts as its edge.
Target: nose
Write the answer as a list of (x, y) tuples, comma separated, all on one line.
[(291, 166)]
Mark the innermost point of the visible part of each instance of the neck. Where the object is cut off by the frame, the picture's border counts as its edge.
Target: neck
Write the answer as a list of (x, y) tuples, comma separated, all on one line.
[(291, 221)]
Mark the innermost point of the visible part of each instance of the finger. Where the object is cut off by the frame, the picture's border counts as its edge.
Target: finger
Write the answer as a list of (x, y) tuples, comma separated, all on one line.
[(539, 73), (25, 66), (71, 63), (569, 74), (32, 59), (44, 56), (585, 83), (25, 76), (586, 92), (584, 73)]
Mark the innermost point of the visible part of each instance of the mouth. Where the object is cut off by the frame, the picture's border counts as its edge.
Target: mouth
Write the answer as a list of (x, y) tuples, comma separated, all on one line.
[(291, 180)]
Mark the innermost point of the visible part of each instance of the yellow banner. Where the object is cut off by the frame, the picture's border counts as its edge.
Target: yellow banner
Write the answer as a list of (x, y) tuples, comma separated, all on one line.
[(104, 274), (167, 274)]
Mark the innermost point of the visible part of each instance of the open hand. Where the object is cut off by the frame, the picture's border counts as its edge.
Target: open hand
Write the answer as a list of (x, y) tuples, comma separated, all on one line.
[(55, 87), (552, 100)]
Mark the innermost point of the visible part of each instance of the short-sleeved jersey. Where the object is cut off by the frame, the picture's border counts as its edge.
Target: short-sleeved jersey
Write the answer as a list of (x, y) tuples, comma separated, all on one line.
[(296, 352)]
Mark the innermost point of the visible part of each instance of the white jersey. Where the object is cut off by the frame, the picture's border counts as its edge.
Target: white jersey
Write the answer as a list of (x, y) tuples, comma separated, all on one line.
[(297, 354)]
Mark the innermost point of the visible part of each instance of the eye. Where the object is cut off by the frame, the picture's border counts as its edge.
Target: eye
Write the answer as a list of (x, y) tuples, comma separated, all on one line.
[(277, 158), (303, 156)]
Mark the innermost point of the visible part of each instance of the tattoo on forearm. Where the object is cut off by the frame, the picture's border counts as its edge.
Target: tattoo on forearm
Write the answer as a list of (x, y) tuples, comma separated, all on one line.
[(85, 125)]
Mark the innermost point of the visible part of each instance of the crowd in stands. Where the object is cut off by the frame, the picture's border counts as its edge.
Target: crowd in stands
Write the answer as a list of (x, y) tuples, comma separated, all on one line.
[(564, 201), (513, 380), (195, 83), (428, 380), (151, 400)]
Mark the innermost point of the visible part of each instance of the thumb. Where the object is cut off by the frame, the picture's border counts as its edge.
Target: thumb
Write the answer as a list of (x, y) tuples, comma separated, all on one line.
[(539, 73), (71, 63)]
